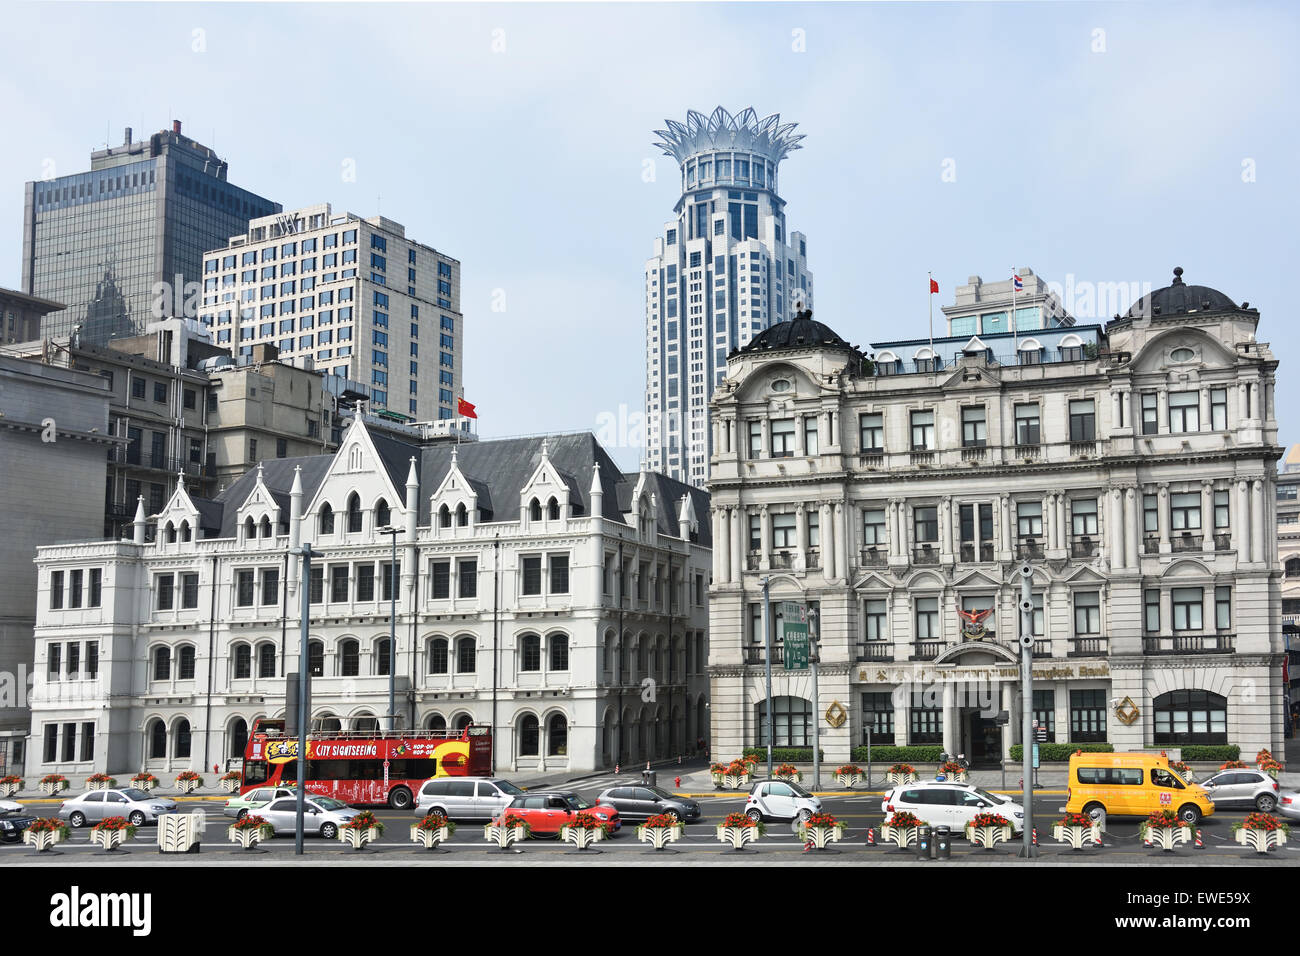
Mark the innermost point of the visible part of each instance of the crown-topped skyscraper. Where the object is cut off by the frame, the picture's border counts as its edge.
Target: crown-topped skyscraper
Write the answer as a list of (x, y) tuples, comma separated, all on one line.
[(723, 271)]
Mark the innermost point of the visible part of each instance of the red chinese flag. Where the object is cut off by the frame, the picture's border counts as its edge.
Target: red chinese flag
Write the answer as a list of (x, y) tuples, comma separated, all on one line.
[(934, 286), (465, 409)]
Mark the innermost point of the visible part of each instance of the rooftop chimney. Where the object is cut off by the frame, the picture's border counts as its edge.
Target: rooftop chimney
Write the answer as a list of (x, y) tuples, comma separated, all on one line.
[(128, 136), (176, 127)]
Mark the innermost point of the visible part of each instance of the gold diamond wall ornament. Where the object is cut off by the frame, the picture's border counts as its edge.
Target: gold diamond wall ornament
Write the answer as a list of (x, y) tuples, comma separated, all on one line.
[(836, 714), (1127, 711)]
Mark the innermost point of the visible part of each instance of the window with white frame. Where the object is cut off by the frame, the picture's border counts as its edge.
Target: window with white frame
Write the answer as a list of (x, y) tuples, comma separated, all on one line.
[(1184, 411), (927, 619), (1187, 606), (1029, 519), (1087, 613), (922, 430), (1083, 516), (874, 616)]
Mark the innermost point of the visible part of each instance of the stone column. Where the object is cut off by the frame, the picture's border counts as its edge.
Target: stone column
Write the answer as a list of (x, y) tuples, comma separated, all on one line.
[(1007, 532), (1063, 533), (1207, 516), (1004, 703), (1256, 520), (1240, 522), (1132, 526), (841, 543), (945, 530), (1163, 517), (951, 731), (902, 728), (765, 539), (1049, 533), (1166, 611), (722, 545), (801, 534), (1205, 409), (1207, 610), (739, 531), (1162, 413), (897, 537), (1114, 531)]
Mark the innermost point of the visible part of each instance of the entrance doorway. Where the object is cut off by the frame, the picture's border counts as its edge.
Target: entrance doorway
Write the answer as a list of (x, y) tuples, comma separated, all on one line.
[(983, 740)]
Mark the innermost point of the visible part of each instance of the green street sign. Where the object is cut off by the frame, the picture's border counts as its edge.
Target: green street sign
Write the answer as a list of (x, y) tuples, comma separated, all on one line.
[(794, 635)]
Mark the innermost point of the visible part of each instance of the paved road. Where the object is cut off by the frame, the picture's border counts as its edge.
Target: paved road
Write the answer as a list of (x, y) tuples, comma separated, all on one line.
[(860, 811)]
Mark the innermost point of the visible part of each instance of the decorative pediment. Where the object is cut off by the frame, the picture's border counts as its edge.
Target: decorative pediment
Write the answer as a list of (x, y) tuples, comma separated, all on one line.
[(873, 580), (455, 502), (545, 496), (926, 579), (976, 579), (356, 467), (1084, 575), (977, 653), (1187, 568), (179, 519)]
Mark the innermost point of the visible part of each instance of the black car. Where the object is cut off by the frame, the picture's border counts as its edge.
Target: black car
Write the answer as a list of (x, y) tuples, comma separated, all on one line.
[(14, 819), (642, 802)]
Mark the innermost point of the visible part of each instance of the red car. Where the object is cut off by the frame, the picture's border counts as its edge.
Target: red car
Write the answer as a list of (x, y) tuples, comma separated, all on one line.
[(549, 810)]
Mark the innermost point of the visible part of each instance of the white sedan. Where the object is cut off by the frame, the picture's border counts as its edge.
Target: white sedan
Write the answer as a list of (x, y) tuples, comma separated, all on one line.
[(942, 804)]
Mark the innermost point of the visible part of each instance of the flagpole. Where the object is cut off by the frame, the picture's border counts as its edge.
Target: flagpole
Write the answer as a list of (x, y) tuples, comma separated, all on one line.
[(1015, 326), (929, 294)]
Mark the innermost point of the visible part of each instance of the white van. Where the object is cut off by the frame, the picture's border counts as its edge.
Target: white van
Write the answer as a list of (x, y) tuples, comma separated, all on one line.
[(465, 798)]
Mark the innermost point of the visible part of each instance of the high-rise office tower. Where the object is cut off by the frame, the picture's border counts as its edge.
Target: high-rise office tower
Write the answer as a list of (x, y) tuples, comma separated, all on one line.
[(101, 241), (725, 269), (348, 296)]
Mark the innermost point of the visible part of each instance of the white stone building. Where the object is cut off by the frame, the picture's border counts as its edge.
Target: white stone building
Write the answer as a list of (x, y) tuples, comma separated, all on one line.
[(725, 269), (194, 633), (1134, 466)]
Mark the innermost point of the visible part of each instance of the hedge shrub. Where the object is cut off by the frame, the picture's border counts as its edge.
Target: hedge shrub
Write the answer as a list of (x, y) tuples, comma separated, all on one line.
[(783, 754), (1060, 753), (1216, 753), (922, 754)]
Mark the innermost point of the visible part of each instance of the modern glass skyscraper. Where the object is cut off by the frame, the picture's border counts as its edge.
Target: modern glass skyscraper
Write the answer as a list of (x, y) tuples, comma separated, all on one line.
[(723, 271), (145, 213)]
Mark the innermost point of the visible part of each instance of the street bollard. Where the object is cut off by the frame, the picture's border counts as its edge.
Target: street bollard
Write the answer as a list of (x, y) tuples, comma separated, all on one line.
[(1200, 844), (943, 843), (1034, 835), (924, 837), (871, 836)]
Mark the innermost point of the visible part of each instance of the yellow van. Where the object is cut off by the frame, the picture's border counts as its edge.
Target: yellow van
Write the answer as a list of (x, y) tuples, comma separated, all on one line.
[(1132, 784)]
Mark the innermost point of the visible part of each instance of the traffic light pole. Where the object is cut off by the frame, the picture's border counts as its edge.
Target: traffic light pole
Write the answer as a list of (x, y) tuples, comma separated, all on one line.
[(1027, 849)]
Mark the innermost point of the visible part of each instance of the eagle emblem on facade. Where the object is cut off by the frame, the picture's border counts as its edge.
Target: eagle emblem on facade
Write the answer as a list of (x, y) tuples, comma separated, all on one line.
[(972, 626)]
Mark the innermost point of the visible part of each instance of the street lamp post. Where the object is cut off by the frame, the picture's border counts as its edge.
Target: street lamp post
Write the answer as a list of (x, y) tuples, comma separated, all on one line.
[(767, 657), (814, 656), (392, 628), (307, 554)]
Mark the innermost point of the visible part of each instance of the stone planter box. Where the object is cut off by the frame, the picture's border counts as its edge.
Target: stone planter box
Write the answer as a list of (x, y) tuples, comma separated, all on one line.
[(988, 837), (249, 837), (659, 837), (903, 837), (9, 789), (429, 839), (820, 836), (100, 784), (42, 841), (358, 837), (231, 785), (791, 777), (110, 840), (731, 781), (1261, 841), (187, 786), (56, 786), (180, 832), (737, 837), (148, 786), (581, 837), (848, 780), (504, 837), (900, 779), (1077, 837), (961, 776)]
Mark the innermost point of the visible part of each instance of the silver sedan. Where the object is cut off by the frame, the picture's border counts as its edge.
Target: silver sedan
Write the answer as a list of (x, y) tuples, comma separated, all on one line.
[(1288, 804), (137, 806), (322, 815)]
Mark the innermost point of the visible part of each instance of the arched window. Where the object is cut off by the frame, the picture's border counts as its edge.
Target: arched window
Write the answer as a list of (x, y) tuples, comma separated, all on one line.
[(186, 661), (238, 737), (438, 655), (383, 657), (169, 533), (354, 513), (266, 526), (157, 740), (383, 514), (243, 655), (463, 721), (250, 528), (462, 515), (162, 663), (182, 739), (444, 517), (349, 658), (528, 736), (465, 655), (316, 658), (1191, 717), (328, 723), (791, 722), (266, 660), (557, 735), (553, 510), (530, 652), (185, 531), (326, 519), (1292, 567), (559, 652), (365, 723), (535, 510), (354, 458), (436, 723)]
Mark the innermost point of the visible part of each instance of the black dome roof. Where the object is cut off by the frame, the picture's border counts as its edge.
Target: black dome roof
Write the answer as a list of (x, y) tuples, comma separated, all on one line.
[(1178, 297), (801, 332)]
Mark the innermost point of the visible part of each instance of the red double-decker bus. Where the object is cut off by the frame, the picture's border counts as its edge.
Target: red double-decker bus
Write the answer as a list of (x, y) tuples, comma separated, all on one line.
[(364, 768)]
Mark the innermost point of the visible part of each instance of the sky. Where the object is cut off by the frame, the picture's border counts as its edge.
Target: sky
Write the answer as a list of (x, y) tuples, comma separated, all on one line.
[(1092, 142)]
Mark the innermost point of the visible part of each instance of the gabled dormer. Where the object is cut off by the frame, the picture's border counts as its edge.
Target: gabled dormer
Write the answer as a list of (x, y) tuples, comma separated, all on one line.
[(455, 504), (259, 516), (179, 521), (358, 492), (545, 501), (643, 513)]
